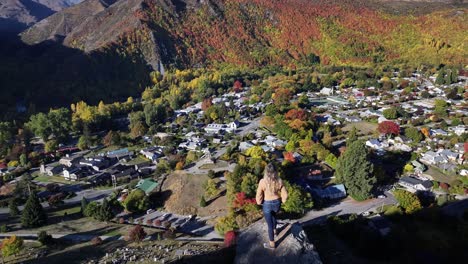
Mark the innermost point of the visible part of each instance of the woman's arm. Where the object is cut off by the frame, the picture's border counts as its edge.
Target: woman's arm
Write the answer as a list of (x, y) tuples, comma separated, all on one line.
[(284, 194), (259, 197)]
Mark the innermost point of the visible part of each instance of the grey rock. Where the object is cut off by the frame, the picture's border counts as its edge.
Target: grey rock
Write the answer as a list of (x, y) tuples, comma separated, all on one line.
[(294, 247)]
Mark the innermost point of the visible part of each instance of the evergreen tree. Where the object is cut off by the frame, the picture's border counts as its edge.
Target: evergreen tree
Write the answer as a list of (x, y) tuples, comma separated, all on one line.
[(33, 214), (84, 203), (13, 206), (440, 77), (105, 211), (352, 136), (202, 201), (355, 171)]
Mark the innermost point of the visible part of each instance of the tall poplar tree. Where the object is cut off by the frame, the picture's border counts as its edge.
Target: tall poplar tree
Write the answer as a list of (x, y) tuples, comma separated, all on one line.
[(355, 171)]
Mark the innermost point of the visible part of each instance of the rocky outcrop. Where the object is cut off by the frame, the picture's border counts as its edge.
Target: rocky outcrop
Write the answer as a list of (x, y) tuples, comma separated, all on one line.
[(294, 247)]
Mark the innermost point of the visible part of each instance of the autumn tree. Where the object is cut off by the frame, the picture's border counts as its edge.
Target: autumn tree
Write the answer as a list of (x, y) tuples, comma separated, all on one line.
[(249, 185), (136, 201), (112, 138), (256, 152), (11, 246), (426, 132), (298, 200), (389, 128), (136, 234), (355, 171), (210, 188), (407, 200), (282, 97)]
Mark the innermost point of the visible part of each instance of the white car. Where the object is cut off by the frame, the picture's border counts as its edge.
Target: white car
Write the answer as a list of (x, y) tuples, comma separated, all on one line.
[(149, 211), (366, 213), (382, 196)]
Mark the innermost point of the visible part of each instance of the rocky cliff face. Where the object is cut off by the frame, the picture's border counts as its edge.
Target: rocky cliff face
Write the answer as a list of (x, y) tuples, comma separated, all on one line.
[(294, 248)]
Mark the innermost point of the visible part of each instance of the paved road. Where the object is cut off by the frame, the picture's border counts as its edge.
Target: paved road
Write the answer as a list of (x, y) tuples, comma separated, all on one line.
[(347, 206), (73, 237), (90, 194)]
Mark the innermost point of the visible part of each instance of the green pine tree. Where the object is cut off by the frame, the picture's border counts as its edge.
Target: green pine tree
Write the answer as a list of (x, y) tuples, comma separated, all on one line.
[(355, 171), (33, 214), (202, 201), (352, 136), (84, 203), (13, 206), (440, 79), (105, 211)]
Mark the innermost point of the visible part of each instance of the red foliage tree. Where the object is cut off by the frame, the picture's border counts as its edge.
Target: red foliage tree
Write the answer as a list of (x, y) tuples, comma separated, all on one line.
[(389, 128), (289, 157), (229, 238), (121, 220), (296, 114), (444, 186), (206, 103), (136, 234), (237, 86), (157, 222), (241, 199), (149, 222)]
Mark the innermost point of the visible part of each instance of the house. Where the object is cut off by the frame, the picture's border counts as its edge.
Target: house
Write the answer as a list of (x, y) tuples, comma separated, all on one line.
[(458, 130), (72, 173), (432, 158), (418, 166), (216, 128), (272, 141), (245, 145), (70, 160), (100, 178), (120, 154), (380, 224), (331, 192), (96, 163), (122, 171), (152, 153), (147, 185), (402, 147), (439, 132), (415, 184), (51, 170), (376, 144), (326, 91)]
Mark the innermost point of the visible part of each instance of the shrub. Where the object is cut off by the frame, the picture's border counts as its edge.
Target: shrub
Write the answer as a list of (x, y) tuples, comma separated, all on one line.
[(157, 222), (444, 186), (229, 238), (169, 234), (121, 220), (11, 246), (136, 201), (136, 234), (241, 200), (4, 228), (96, 241), (202, 201), (166, 224), (407, 200), (225, 224), (44, 238)]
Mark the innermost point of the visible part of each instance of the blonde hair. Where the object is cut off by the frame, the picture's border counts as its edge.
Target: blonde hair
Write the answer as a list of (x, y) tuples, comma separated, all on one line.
[(273, 182)]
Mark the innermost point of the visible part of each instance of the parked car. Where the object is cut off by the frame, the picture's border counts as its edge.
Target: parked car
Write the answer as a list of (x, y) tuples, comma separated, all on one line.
[(149, 211), (166, 216), (382, 196)]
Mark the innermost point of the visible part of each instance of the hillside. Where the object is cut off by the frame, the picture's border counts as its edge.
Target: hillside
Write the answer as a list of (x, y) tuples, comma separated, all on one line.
[(103, 49), (16, 15)]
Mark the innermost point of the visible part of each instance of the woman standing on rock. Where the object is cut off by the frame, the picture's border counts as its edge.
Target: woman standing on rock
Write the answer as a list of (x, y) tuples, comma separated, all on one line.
[(271, 193)]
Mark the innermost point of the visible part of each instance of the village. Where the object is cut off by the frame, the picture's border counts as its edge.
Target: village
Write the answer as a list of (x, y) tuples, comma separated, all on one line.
[(397, 125)]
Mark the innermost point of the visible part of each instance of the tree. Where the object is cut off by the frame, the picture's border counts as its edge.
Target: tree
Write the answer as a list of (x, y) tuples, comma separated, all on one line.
[(33, 214), (105, 211), (414, 134), (390, 113), (298, 200), (24, 160), (51, 146), (136, 201), (356, 172), (155, 114), (440, 108), (84, 204), (352, 136), (83, 142), (225, 224), (138, 130), (249, 185), (202, 201), (389, 128), (407, 200), (210, 188), (11, 246), (331, 160), (425, 131), (282, 97), (289, 157), (112, 138), (255, 152), (136, 234), (92, 209), (440, 77), (13, 207), (408, 168), (241, 200), (44, 238)]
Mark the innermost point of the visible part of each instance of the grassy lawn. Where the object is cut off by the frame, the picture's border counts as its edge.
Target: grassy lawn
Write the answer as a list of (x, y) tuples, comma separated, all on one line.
[(439, 176), (48, 179), (69, 211), (363, 127), (139, 159)]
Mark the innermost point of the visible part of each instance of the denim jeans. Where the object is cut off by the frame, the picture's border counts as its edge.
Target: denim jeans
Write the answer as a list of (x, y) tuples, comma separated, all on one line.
[(270, 208)]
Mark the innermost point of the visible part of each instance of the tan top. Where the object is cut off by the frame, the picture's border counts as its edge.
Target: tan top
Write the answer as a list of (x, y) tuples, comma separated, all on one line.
[(264, 194)]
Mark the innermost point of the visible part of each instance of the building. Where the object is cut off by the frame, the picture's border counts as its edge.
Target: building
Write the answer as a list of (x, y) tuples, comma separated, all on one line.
[(120, 154), (217, 128), (458, 130), (147, 185), (72, 173), (96, 163), (376, 144), (51, 170), (70, 160), (418, 166), (415, 184), (331, 192), (152, 153)]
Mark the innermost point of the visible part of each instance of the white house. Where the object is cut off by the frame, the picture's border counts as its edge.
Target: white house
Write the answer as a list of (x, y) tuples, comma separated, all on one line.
[(274, 142), (432, 158), (217, 128), (376, 144), (458, 130), (326, 91), (243, 146), (414, 184)]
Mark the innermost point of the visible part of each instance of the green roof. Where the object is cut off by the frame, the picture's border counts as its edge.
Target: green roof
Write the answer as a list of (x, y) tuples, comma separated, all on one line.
[(147, 185)]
